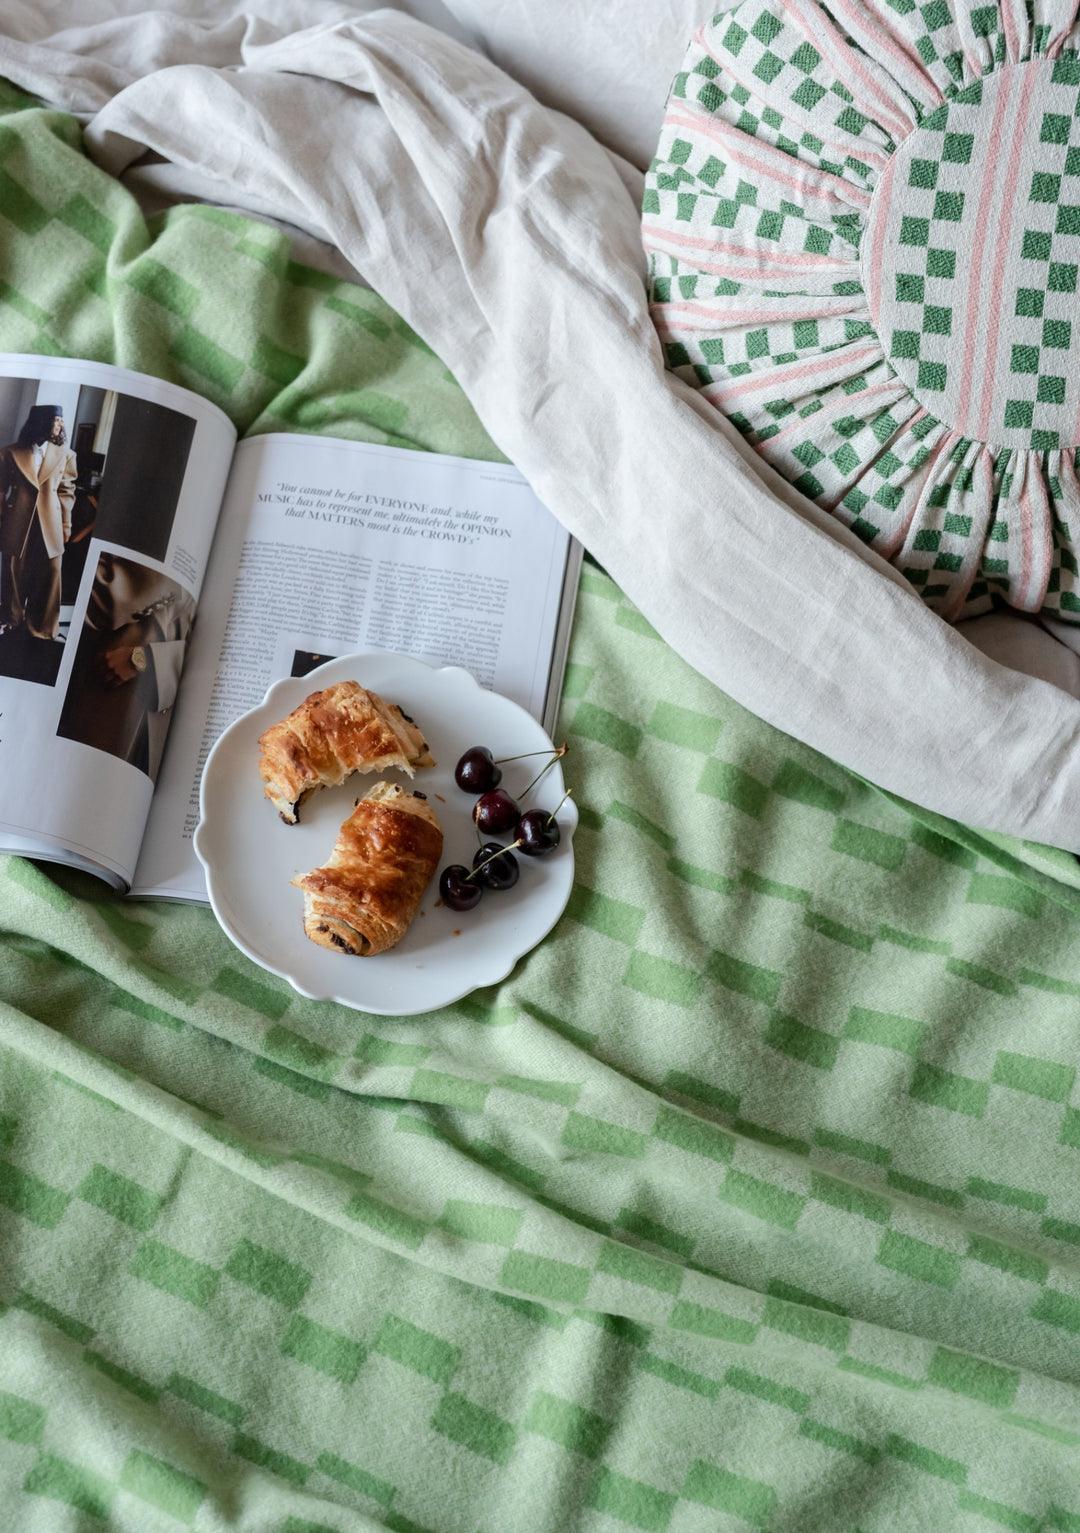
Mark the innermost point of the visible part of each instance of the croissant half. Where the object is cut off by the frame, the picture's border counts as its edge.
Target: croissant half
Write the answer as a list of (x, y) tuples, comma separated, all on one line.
[(363, 900), (335, 732)]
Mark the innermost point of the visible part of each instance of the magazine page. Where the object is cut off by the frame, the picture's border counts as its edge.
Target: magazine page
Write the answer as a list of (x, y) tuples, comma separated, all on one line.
[(110, 484), (327, 547)]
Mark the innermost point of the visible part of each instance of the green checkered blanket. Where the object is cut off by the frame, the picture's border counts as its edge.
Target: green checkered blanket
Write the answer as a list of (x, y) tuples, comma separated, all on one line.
[(750, 1198)]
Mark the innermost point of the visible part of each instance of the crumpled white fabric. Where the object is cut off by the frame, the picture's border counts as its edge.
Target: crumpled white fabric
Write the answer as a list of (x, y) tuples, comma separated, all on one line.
[(508, 238)]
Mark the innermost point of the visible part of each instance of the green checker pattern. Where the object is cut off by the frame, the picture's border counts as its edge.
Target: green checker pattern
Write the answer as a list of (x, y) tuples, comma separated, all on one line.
[(847, 366), (749, 1199), (931, 256)]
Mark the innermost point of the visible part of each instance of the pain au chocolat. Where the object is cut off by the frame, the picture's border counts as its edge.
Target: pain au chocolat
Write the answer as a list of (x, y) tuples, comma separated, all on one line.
[(335, 732), (362, 901)]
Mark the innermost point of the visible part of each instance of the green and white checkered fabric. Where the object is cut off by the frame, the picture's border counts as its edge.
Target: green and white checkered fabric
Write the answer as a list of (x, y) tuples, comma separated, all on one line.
[(749, 1200), (863, 226)]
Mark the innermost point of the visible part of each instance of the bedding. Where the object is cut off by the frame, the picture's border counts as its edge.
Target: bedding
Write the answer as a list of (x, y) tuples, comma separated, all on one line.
[(462, 201), (748, 1199)]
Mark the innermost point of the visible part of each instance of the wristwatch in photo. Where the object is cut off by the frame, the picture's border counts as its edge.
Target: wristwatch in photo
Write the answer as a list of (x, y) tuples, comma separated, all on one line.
[(138, 657)]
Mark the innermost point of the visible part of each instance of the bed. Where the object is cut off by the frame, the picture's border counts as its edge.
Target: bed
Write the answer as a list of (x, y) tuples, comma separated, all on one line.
[(750, 1197)]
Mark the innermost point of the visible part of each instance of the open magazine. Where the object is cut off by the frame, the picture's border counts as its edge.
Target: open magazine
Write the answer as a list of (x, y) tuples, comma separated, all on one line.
[(156, 576)]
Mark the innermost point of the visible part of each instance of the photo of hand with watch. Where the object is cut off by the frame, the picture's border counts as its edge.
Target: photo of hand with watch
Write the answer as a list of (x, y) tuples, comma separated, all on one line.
[(128, 663)]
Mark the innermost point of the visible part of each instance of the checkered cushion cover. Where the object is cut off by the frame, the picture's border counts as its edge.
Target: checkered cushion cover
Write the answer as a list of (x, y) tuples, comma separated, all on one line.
[(863, 231)]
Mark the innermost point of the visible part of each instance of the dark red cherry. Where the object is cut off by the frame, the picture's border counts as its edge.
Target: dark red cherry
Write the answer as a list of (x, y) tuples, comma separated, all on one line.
[(458, 890), (476, 771), (496, 866), (537, 833), (495, 812)]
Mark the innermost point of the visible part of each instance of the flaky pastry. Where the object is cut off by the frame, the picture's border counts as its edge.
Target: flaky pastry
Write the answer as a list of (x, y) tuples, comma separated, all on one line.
[(335, 732), (363, 900)]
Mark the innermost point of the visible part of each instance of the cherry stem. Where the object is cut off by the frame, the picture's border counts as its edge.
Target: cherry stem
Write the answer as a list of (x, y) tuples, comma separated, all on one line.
[(492, 856), (559, 805), (562, 750)]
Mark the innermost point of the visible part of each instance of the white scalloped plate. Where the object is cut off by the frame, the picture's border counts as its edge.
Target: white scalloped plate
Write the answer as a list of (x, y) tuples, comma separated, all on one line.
[(250, 855)]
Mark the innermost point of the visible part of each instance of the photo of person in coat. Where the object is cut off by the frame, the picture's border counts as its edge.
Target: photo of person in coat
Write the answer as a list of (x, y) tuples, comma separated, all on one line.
[(37, 493)]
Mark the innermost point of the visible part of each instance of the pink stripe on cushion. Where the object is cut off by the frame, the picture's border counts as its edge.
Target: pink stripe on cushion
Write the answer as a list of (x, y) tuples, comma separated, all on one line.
[(1058, 42), (767, 260), (876, 34), (882, 97), (856, 148), (751, 275), (872, 278), (809, 259), (973, 287), (780, 333), (835, 366), (727, 314), (796, 306), (1017, 30), (1021, 127), (763, 159)]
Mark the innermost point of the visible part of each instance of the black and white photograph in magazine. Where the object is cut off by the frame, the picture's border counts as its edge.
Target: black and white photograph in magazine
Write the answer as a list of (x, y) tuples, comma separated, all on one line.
[(79, 463)]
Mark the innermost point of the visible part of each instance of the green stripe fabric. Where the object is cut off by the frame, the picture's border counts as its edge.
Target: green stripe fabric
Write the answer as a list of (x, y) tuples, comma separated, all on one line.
[(749, 1199)]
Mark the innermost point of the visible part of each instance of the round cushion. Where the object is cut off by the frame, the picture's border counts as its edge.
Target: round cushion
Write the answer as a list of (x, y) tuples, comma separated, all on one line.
[(863, 229)]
